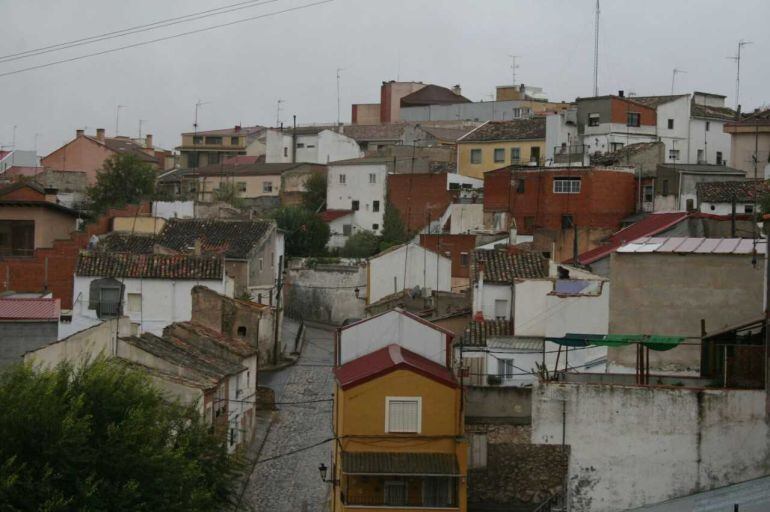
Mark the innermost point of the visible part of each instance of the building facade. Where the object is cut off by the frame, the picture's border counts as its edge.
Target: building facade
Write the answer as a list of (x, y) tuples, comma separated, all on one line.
[(407, 267), (358, 186)]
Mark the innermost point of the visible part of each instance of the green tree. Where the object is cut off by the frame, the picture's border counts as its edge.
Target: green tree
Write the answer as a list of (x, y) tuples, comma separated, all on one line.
[(227, 192), (306, 233), (315, 193), (123, 179), (103, 438), (361, 245), (393, 227)]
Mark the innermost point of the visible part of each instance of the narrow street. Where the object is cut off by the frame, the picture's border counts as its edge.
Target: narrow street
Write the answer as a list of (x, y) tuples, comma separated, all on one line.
[(303, 392)]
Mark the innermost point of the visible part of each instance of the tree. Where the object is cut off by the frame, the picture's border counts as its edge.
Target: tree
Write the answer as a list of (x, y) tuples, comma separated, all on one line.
[(227, 192), (306, 233), (315, 193), (361, 245), (103, 438), (123, 179), (393, 227)]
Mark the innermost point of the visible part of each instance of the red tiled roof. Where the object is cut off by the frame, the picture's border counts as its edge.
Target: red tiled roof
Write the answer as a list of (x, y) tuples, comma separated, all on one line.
[(330, 215), (149, 266), (387, 360), (30, 309), (649, 226), (241, 160)]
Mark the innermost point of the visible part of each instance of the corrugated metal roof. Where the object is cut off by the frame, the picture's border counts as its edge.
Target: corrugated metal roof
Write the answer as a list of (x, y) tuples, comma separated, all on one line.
[(30, 309), (525, 343), (751, 496), (681, 245), (389, 463)]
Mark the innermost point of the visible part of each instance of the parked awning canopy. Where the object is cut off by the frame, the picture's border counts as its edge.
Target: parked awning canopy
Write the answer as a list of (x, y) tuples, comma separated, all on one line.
[(653, 342), (386, 463)]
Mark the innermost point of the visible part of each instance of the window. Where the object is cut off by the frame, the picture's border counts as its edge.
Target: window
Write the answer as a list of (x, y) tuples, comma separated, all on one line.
[(748, 208), (633, 119), (437, 492), (134, 302), (267, 186), (501, 309), (566, 185), (690, 205), (242, 334), (402, 414), (516, 113), (673, 154), (567, 221), (720, 161), (529, 223), (475, 156), (109, 302), (648, 192), (285, 151), (664, 188), (515, 155), (342, 179), (478, 451), (499, 155), (261, 264), (395, 493), (241, 186), (375, 206), (372, 177), (708, 125), (355, 206), (300, 145), (375, 227), (463, 259), (534, 154), (213, 140), (347, 229), (593, 119), (310, 146), (192, 159), (670, 124), (700, 156), (616, 146), (505, 368), (213, 158), (17, 237), (234, 141), (520, 185)]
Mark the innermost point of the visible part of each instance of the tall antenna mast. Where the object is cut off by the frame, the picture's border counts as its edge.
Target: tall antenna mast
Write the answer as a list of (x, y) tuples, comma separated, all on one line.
[(278, 113), (673, 78), (737, 59), (513, 67), (117, 118), (596, 51), (338, 95)]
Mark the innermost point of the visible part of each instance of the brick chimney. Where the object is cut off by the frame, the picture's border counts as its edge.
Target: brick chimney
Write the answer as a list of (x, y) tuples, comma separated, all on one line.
[(457, 90), (100, 134), (79, 133), (148, 141)]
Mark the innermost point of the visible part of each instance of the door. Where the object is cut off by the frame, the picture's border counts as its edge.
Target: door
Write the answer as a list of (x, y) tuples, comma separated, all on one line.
[(501, 309), (109, 302)]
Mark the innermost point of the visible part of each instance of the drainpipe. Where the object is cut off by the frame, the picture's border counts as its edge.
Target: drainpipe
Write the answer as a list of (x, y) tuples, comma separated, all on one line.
[(294, 142)]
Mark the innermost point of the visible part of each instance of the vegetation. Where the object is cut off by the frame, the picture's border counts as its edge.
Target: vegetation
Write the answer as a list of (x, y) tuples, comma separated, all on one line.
[(315, 193), (393, 227), (764, 203), (361, 245), (124, 179), (306, 233), (103, 438), (227, 192)]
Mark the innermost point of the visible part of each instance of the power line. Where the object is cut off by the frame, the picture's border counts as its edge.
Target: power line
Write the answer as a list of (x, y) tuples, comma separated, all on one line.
[(166, 38), (134, 30)]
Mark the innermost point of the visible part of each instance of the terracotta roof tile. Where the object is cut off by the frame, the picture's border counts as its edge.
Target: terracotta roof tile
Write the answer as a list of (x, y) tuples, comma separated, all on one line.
[(30, 309), (502, 267), (231, 238), (723, 191), (477, 331), (517, 129), (148, 266)]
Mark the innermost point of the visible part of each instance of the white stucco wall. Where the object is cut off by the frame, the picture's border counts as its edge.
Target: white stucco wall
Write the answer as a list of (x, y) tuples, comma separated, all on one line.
[(713, 140), (465, 218), (558, 132), (724, 208), (337, 237), (392, 327), (163, 301), (631, 446), (678, 137), (406, 267), (358, 187), (321, 148), (532, 311)]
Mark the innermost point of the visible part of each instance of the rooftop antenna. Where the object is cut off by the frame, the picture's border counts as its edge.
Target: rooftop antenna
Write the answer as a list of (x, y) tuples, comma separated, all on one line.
[(197, 107), (513, 67), (675, 72), (278, 113), (117, 118), (737, 59), (338, 95), (141, 122), (596, 50), (37, 135)]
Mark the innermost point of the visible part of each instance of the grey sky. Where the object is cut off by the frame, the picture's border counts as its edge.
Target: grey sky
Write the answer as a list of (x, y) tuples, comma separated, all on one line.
[(245, 68)]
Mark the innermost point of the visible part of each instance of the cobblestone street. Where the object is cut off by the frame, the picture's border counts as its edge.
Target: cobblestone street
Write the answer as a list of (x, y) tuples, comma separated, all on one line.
[(291, 482)]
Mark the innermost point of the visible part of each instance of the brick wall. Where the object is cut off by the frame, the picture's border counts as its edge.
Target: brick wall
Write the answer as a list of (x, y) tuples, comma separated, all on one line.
[(455, 245), (53, 268), (416, 196), (606, 197)]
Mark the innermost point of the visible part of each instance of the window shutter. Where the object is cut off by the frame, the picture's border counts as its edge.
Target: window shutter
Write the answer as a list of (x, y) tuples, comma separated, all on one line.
[(403, 416)]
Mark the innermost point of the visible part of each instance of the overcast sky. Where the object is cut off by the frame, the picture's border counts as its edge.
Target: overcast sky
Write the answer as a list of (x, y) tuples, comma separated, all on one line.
[(244, 69)]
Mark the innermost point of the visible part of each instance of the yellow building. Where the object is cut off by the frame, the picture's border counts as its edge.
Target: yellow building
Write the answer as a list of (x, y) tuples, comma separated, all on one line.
[(497, 144), (213, 147), (399, 425)]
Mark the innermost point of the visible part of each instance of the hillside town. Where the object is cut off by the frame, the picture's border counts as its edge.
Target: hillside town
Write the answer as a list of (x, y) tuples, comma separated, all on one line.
[(516, 303)]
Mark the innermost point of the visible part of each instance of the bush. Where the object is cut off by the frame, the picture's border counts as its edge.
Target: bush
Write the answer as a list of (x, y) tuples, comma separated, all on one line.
[(361, 245), (306, 234)]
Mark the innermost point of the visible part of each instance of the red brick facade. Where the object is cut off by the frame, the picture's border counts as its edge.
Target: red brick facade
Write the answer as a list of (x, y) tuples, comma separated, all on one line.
[(620, 107), (53, 268), (454, 246), (606, 196), (417, 196)]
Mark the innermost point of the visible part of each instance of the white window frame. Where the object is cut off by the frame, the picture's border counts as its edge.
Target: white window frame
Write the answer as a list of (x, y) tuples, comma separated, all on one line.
[(389, 399), (568, 185), (473, 152), (506, 368), (267, 187), (129, 305), (372, 177), (342, 179), (594, 119)]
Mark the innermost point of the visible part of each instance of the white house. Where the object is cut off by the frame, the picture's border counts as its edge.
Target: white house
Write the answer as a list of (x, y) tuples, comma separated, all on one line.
[(154, 290), (405, 267), (317, 145), (717, 197), (394, 326), (562, 142), (18, 158), (357, 186)]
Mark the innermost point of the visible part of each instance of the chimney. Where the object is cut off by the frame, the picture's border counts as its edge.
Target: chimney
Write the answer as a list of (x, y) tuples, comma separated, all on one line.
[(621, 94), (79, 133), (50, 195), (237, 128), (100, 134), (148, 141), (457, 90)]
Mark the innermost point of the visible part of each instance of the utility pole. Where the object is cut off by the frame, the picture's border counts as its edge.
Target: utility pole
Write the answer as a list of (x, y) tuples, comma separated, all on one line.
[(737, 59), (117, 118), (673, 78), (338, 95), (596, 50), (277, 312), (278, 113), (198, 105), (13, 143), (37, 135), (513, 67)]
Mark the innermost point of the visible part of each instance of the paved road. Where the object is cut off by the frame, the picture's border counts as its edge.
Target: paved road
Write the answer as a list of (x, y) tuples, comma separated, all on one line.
[(292, 483)]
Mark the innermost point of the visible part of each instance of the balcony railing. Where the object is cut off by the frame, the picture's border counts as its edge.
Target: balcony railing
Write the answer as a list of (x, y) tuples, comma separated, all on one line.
[(410, 502), (401, 491)]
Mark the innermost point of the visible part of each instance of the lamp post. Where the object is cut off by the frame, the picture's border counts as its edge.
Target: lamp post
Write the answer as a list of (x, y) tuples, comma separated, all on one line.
[(322, 469)]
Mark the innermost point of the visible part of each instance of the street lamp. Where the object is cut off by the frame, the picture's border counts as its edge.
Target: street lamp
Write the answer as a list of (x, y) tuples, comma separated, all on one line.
[(323, 470)]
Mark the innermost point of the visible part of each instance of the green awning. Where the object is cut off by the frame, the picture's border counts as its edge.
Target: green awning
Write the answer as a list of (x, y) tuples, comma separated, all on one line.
[(653, 342)]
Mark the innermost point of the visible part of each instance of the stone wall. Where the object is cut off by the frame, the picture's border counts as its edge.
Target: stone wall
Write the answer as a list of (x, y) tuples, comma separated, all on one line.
[(325, 292), (16, 338), (498, 405)]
